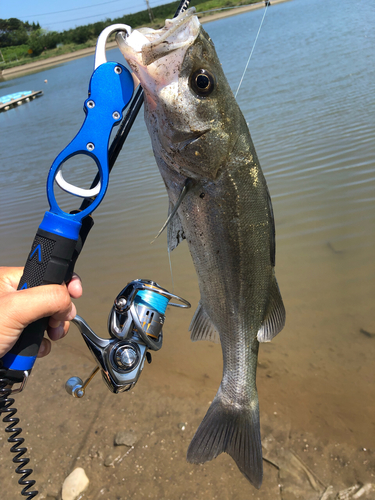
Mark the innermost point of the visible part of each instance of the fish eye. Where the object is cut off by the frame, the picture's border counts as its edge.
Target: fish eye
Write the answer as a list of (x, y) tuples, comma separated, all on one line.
[(202, 82)]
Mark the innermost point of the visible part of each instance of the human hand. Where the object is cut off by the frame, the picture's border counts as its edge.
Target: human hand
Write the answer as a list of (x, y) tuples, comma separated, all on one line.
[(19, 308)]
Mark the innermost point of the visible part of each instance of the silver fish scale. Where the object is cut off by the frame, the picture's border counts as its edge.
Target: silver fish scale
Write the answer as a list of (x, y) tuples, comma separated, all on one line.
[(229, 237)]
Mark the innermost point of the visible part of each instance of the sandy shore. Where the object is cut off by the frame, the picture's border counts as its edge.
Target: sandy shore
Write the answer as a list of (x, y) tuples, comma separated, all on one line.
[(8, 74)]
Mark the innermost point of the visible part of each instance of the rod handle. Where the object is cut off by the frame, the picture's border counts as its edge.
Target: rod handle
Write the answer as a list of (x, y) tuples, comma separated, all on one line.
[(49, 262)]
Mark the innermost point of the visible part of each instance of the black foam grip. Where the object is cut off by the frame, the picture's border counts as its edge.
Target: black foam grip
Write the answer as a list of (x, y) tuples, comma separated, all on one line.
[(48, 263)]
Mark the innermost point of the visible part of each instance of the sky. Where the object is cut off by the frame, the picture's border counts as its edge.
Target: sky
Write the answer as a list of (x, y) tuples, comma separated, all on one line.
[(59, 16)]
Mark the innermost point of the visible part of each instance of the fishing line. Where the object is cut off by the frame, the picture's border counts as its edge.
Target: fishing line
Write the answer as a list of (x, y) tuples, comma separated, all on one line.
[(252, 50), (170, 267)]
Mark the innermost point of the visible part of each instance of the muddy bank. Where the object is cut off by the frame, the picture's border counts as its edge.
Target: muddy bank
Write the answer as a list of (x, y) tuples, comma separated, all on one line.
[(162, 412)]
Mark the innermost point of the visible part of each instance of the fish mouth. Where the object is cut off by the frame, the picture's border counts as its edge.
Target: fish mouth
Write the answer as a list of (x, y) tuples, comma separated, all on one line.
[(145, 46)]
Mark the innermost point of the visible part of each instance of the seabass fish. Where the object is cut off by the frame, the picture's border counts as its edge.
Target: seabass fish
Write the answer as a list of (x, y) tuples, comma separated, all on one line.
[(199, 133)]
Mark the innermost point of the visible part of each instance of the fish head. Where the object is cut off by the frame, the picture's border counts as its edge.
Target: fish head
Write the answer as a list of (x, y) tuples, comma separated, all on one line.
[(191, 113)]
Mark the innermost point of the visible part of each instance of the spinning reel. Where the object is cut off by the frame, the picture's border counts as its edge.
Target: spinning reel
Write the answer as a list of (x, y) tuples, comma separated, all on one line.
[(135, 326)]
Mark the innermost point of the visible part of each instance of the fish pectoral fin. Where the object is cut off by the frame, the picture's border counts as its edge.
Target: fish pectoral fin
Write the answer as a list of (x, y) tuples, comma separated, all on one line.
[(172, 211), (202, 328), (274, 320), (175, 232), (233, 429)]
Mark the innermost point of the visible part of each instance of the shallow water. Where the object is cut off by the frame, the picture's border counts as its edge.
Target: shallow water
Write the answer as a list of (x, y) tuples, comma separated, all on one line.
[(308, 97)]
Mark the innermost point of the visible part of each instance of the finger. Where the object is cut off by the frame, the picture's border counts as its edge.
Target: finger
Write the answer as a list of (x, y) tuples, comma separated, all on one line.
[(65, 315), (59, 332), (53, 322), (75, 291), (40, 302), (44, 349), (75, 286)]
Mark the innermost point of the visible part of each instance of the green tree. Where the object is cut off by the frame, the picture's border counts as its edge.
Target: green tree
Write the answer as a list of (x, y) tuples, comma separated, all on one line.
[(50, 39), (15, 32), (81, 34), (36, 43)]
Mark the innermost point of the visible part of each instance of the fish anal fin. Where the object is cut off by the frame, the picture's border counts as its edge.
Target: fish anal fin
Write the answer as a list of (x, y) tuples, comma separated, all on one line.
[(176, 232), (234, 430), (202, 328), (274, 320)]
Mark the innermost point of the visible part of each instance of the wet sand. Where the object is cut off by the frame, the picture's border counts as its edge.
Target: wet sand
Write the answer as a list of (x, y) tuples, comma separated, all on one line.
[(313, 447), (164, 410), (10, 73)]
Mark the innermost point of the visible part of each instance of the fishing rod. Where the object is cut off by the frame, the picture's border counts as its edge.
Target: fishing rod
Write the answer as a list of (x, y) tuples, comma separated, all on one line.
[(136, 319)]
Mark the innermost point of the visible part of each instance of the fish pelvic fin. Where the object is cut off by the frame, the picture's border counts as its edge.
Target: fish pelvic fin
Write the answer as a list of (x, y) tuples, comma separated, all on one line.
[(274, 320), (176, 231), (202, 328), (234, 430)]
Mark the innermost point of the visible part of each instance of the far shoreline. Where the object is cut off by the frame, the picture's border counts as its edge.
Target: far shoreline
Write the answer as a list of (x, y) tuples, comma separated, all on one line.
[(34, 67)]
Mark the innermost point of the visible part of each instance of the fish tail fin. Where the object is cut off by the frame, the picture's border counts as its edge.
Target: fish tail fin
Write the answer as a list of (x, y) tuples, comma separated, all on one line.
[(234, 430)]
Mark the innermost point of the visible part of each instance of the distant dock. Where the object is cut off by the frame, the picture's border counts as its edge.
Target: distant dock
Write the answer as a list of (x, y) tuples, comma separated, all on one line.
[(12, 100)]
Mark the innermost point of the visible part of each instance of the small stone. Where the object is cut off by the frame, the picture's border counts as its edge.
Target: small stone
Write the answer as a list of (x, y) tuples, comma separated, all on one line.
[(125, 438), (74, 484), (367, 488), (110, 460), (182, 426)]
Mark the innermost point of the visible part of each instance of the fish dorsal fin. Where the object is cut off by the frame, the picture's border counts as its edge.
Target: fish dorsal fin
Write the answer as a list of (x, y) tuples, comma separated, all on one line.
[(202, 328), (175, 232), (274, 320)]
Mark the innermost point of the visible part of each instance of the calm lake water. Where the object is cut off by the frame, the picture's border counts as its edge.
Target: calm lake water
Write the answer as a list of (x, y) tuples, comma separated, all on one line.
[(309, 100)]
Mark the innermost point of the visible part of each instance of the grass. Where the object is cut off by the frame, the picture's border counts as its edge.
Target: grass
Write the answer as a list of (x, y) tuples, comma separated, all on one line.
[(20, 58)]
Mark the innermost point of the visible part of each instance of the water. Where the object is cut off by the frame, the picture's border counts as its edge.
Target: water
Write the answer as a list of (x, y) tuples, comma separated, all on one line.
[(308, 97)]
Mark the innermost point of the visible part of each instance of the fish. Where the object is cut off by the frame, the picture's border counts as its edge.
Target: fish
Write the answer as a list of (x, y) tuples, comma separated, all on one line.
[(200, 138)]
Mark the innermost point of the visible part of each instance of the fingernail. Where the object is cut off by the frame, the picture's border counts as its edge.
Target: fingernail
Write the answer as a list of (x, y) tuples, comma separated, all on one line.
[(54, 323), (57, 333), (43, 349)]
